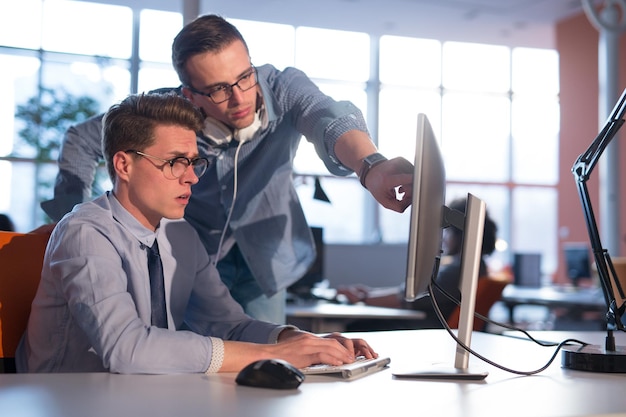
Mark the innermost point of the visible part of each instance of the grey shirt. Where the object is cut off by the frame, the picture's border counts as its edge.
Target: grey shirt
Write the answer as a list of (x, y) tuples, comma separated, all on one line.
[(92, 308)]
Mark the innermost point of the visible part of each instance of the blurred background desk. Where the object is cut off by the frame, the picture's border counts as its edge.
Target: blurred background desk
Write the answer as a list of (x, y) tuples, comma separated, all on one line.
[(325, 317), (572, 301)]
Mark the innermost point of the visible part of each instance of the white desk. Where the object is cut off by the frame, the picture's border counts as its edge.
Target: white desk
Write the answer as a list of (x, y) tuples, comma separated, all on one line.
[(554, 392), (321, 317)]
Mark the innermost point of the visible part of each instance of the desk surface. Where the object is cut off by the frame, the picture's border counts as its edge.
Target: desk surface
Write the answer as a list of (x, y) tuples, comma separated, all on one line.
[(554, 392)]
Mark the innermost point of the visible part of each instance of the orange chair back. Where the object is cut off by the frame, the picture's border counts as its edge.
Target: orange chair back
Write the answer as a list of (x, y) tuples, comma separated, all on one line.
[(21, 259), (488, 292)]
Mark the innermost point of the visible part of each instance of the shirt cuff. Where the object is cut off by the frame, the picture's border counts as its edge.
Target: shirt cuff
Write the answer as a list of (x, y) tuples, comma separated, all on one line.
[(277, 331), (217, 356)]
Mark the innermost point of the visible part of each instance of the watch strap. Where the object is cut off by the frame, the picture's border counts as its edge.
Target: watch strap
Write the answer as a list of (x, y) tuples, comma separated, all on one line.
[(369, 162)]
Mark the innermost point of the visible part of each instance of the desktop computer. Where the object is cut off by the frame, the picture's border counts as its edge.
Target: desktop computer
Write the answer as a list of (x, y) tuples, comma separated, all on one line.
[(302, 288), (577, 264), (527, 269)]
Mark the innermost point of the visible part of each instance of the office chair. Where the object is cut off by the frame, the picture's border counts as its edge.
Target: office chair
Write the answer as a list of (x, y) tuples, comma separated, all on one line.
[(21, 259), (488, 292)]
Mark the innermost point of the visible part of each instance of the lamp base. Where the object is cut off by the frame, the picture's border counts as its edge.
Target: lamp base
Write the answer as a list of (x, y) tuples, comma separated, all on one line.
[(594, 358)]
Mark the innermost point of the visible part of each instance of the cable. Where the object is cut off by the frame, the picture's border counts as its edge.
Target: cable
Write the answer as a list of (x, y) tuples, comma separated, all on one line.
[(481, 357), (232, 204), (486, 319)]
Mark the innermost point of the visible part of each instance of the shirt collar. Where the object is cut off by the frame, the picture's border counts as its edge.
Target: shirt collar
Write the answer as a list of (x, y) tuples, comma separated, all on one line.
[(130, 223)]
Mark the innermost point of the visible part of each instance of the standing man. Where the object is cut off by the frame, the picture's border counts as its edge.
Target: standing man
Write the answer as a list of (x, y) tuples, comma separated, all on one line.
[(128, 288), (246, 209)]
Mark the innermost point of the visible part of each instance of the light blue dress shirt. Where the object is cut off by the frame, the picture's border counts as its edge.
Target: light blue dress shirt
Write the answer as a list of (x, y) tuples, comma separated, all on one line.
[(92, 308), (268, 223)]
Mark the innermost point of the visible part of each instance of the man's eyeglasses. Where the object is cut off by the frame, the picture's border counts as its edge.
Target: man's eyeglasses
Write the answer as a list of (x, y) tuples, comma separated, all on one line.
[(222, 92), (179, 165)]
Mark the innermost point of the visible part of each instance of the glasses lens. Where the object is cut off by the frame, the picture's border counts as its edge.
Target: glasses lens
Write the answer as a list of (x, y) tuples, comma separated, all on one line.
[(244, 83), (248, 81), (221, 95), (199, 166), (179, 166)]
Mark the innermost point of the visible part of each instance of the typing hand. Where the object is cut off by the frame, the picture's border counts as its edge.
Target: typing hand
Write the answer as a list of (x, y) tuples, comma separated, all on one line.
[(304, 349), (358, 347), (354, 294)]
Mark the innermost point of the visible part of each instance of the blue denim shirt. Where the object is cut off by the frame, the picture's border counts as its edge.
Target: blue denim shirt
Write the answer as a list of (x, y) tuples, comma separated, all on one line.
[(267, 223), (92, 308)]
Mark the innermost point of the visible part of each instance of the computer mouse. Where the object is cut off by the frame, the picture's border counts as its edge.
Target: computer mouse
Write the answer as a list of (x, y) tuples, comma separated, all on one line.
[(270, 373)]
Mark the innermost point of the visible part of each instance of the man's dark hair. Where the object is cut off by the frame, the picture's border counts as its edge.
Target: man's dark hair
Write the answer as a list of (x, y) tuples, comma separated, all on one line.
[(130, 124), (490, 233), (208, 33), (6, 224)]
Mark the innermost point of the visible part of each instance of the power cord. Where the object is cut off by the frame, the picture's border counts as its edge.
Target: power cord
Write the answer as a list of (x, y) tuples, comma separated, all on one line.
[(507, 326)]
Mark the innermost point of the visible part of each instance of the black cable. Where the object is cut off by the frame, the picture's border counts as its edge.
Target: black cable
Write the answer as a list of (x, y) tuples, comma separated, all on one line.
[(486, 319), (481, 357)]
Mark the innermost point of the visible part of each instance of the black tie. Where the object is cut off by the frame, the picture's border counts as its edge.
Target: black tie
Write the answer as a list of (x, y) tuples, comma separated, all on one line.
[(157, 287)]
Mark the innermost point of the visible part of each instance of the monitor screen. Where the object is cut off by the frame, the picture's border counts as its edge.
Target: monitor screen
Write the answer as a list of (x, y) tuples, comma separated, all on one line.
[(577, 261), (527, 269), (427, 212), (429, 215), (315, 274)]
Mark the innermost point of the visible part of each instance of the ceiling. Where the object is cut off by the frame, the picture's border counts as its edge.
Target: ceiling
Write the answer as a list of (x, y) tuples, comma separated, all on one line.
[(507, 22), (510, 22)]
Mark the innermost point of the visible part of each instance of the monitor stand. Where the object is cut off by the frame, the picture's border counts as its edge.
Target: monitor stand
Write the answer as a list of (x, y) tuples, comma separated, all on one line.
[(473, 228), (436, 372)]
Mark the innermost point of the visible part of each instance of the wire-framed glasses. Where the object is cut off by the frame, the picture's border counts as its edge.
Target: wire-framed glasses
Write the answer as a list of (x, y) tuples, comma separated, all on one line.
[(222, 92), (179, 165)]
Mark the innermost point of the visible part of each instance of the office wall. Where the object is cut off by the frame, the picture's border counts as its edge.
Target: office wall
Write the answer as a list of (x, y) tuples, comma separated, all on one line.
[(577, 43)]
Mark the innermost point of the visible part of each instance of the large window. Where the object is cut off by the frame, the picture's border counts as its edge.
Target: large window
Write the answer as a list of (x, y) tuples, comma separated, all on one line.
[(498, 131), (494, 109)]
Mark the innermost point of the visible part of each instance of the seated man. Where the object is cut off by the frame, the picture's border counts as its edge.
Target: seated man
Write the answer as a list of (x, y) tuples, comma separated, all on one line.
[(94, 309)]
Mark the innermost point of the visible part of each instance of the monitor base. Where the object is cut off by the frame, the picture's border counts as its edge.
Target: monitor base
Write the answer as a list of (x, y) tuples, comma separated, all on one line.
[(594, 358), (443, 373)]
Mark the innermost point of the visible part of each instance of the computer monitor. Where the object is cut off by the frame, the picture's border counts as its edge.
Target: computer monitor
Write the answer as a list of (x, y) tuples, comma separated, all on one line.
[(527, 269), (429, 215), (315, 274), (577, 263)]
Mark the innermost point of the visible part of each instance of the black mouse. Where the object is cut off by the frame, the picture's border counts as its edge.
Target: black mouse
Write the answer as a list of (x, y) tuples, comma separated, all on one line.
[(270, 373)]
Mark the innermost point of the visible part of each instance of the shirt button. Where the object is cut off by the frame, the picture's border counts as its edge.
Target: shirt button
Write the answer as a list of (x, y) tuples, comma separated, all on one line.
[(224, 188)]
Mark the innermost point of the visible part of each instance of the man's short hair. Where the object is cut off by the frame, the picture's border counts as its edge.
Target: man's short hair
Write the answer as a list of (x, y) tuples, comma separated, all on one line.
[(130, 124)]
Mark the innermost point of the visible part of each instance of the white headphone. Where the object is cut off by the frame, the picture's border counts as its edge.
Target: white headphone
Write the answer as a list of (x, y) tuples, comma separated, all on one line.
[(221, 135)]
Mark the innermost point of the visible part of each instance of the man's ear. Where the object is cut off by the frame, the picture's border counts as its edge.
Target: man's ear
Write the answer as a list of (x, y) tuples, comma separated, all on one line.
[(187, 93), (122, 162)]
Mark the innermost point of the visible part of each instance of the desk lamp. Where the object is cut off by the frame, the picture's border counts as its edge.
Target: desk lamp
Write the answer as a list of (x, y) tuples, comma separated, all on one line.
[(595, 358)]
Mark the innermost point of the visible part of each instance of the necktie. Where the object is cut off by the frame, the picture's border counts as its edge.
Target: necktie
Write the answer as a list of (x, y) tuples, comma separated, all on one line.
[(157, 287)]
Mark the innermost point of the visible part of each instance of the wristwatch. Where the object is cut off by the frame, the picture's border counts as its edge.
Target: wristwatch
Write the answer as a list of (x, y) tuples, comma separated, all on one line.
[(369, 162)]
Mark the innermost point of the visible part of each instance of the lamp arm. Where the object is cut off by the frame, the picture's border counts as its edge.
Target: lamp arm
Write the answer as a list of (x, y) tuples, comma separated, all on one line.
[(587, 161), (611, 287), (582, 169)]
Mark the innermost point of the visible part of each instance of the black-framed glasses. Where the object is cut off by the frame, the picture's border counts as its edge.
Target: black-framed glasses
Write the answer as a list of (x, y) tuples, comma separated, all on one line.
[(179, 165), (222, 92)]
